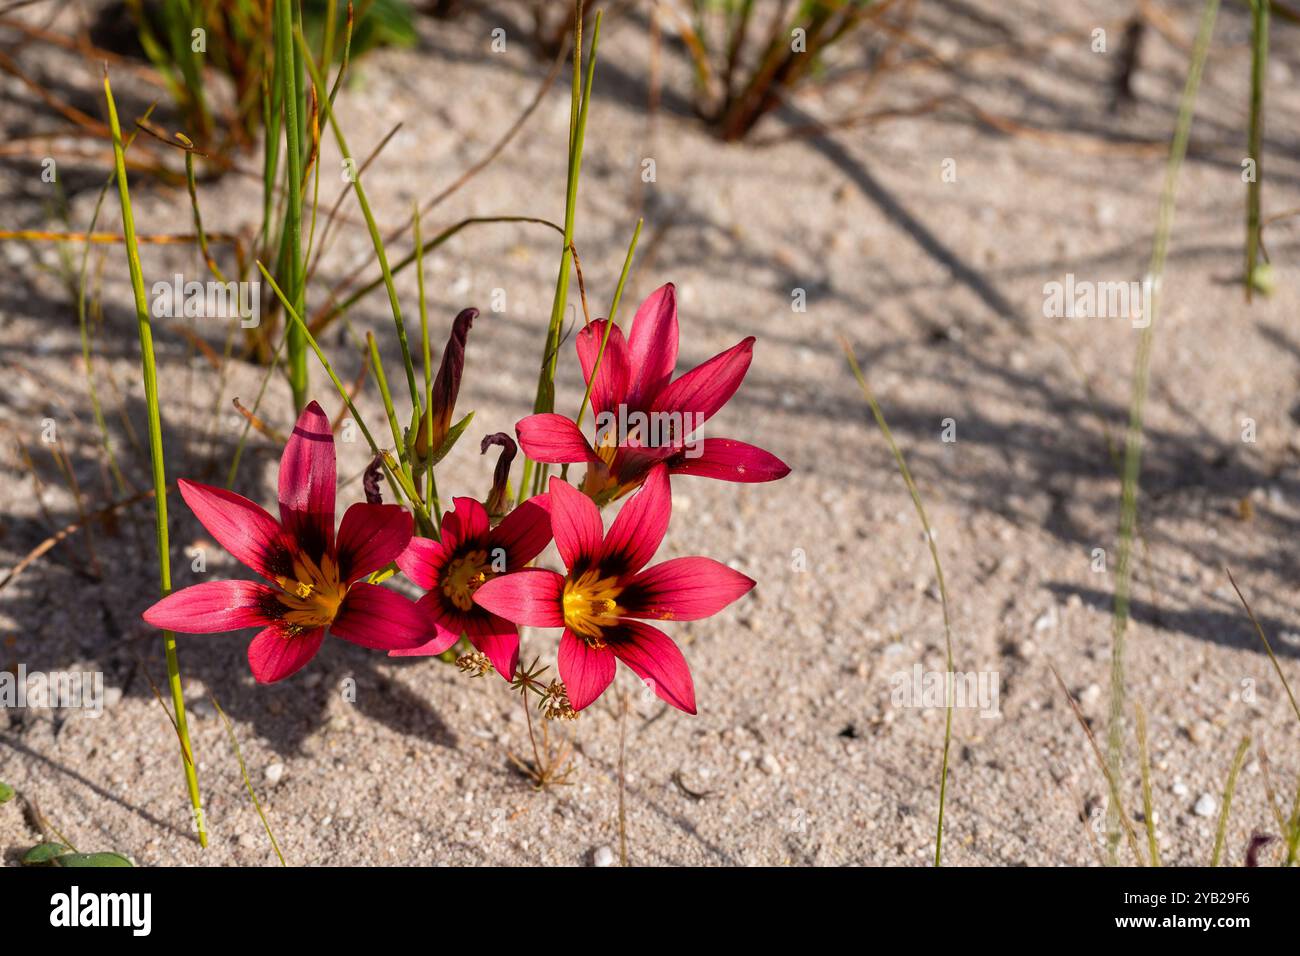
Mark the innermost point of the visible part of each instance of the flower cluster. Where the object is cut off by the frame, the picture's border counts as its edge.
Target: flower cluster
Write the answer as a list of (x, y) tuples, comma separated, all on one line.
[(476, 568)]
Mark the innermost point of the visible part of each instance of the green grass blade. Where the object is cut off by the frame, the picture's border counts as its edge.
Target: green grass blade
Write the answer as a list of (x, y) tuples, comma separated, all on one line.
[(430, 482), (938, 573), (248, 784), (579, 103), (1133, 441), (287, 75), (1228, 789), (1148, 805), (1267, 646), (150, 370), (1255, 138)]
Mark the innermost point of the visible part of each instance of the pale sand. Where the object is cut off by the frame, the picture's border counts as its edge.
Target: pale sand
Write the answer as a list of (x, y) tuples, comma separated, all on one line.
[(797, 752)]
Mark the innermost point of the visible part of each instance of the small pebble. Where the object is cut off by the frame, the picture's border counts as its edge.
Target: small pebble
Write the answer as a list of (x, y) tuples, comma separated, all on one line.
[(1200, 732), (769, 765), (274, 773), (603, 856), (1205, 806)]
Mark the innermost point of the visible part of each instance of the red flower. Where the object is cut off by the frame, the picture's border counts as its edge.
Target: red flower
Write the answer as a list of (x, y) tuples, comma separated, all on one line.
[(316, 575), (604, 590), (452, 570), (632, 389)]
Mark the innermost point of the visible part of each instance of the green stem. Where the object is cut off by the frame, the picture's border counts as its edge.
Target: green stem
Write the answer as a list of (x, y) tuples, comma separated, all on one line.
[(286, 67), (430, 482), (150, 369), (609, 324), (580, 99)]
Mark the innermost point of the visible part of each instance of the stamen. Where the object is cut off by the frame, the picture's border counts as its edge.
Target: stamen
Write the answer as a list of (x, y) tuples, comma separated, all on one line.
[(463, 577), (591, 604), (312, 597)]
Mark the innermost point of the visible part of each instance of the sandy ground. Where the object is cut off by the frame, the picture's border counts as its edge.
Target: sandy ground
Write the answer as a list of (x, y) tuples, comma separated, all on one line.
[(798, 755)]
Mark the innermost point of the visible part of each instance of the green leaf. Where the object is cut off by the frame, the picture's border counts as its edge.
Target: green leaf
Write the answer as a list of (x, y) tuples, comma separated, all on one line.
[(93, 859), (6, 792), (453, 436), (44, 854)]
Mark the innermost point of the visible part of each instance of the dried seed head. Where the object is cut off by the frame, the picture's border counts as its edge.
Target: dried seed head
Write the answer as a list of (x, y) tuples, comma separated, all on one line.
[(555, 703), (476, 664)]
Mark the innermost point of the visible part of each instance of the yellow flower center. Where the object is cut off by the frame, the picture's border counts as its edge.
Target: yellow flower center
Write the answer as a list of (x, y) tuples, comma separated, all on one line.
[(590, 604), (463, 577), (312, 596)]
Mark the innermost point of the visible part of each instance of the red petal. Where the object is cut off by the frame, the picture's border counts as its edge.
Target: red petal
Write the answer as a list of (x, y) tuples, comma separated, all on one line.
[(498, 639), (472, 521), (706, 388), (423, 561), (729, 460), (213, 607), (274, 654), (586, 672), (374, 616), (444, 635), (307, 482), (576, 524), (612, 377), (656, 660), (653, 346), (532, 597), (370, 536), (637, 532), (684, 589), (553, 438), (525, 532), (449, 532), (241, 527)]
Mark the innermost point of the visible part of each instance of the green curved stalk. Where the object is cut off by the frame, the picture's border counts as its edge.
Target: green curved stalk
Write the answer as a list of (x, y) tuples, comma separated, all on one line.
[(394, 474), (248, 784), (332, 311), (1133, 440), (382, 380), (950, 683), (322, 98), (150, 368), (86, 350)]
